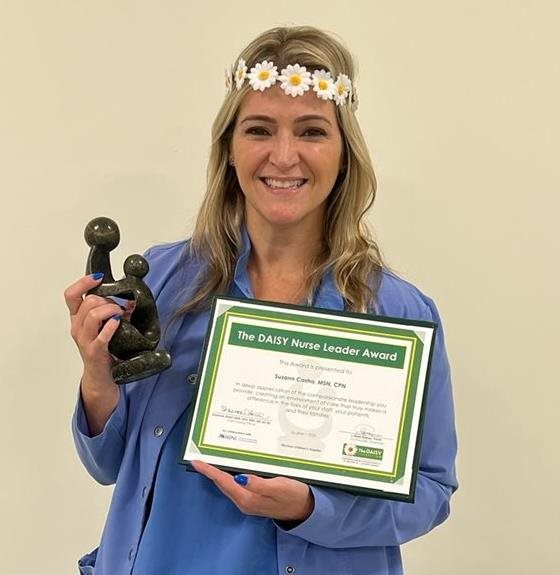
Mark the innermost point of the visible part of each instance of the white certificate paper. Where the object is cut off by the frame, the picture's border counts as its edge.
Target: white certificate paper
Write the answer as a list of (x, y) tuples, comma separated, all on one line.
[(328, 398)]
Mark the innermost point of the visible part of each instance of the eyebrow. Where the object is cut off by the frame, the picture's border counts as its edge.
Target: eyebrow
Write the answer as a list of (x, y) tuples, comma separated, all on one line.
[(270, 120)]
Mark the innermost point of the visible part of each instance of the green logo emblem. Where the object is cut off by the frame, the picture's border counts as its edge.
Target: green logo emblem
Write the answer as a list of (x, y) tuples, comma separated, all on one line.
[(362, 451)]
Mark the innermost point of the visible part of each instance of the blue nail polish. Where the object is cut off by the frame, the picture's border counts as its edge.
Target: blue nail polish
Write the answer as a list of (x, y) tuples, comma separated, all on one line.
[(241, 480), (96, 275), (117, 317)]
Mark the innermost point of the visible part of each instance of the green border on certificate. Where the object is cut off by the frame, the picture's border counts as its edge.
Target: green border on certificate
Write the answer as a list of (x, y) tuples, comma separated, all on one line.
[(328, 398)]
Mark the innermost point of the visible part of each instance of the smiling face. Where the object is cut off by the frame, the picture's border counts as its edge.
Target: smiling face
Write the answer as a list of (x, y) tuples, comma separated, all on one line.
[(287, 154)]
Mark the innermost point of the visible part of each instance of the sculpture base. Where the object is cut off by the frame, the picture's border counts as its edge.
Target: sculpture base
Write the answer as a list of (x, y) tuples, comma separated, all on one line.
[(140, 366)]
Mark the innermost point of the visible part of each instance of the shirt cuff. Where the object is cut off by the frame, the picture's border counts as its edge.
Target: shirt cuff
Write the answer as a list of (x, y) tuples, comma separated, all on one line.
[(317, 522), (115, 421)]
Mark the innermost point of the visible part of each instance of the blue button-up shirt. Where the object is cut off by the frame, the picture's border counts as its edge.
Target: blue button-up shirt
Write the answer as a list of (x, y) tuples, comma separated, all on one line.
[(345, 534)]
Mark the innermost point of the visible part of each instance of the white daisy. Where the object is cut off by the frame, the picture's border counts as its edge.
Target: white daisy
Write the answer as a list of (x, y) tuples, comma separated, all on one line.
[(240, 73), (343, 89), (263, 75), (323, 84), (295, 80), (228, 79)]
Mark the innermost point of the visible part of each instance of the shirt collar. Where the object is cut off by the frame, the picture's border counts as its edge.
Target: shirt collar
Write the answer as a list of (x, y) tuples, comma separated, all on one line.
[(241, 276), (327, 295)]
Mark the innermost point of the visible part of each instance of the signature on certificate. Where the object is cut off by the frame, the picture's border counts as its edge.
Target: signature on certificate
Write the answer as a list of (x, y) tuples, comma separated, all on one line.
[(246, 413)]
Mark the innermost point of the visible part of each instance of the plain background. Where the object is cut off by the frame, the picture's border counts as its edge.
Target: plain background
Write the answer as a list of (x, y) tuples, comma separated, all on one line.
[(106, 109)]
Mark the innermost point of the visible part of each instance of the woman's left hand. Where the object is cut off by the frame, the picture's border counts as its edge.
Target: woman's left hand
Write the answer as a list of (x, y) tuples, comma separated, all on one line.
[(277, 498)]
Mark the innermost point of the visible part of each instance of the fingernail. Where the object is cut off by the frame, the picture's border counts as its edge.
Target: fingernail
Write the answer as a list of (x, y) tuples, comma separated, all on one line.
[(241, 480), (96, 275), (117, 317)]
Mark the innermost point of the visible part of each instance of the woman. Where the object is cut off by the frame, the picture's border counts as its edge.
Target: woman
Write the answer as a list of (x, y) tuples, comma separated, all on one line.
[(289, 182)]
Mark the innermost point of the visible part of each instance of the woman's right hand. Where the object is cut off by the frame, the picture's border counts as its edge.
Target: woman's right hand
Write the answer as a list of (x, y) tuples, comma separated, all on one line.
[(88, 313)]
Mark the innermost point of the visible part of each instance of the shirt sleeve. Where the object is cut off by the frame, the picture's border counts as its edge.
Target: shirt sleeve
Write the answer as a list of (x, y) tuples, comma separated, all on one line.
[(343, 520), (101, 454)]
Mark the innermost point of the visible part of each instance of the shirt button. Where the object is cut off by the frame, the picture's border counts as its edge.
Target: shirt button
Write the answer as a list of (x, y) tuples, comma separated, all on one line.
[(290, 570), (191, 378), (158, 431), (131, 554)]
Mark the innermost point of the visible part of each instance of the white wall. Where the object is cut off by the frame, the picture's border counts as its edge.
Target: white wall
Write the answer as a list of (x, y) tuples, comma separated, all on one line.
[(105, 108)]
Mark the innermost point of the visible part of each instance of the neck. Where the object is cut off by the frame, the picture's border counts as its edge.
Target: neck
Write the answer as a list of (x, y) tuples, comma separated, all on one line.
[(295, 249), (280, 262)]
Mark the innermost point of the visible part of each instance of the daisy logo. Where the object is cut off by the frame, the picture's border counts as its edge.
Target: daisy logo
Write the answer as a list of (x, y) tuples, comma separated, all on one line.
[(363, 451)]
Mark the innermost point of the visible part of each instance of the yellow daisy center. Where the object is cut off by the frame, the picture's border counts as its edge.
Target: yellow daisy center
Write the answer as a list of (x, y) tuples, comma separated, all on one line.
[(323, 85), (264, 74), (341, 90), (295, 80)]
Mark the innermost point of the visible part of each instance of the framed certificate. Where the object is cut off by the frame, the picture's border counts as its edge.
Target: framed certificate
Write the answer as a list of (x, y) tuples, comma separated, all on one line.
[(328, 398)]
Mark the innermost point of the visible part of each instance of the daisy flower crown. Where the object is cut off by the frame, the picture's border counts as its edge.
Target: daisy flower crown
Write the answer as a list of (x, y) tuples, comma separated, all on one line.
[(294, 80)]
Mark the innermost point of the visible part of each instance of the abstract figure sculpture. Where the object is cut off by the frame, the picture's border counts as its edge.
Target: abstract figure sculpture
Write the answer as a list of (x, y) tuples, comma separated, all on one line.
[(135, 341)]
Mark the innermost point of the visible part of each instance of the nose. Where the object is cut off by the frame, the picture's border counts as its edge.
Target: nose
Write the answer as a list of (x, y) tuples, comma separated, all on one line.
[(284, 153)]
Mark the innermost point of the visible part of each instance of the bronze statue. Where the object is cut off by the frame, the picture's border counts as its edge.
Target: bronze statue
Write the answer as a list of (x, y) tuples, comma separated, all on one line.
[(135, 341)]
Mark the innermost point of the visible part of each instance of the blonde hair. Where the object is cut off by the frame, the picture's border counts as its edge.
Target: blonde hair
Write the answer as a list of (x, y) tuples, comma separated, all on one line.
[(349, 251)]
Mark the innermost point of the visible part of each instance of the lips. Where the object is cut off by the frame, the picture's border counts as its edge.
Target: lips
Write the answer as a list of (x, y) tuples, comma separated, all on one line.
[(283, 184)]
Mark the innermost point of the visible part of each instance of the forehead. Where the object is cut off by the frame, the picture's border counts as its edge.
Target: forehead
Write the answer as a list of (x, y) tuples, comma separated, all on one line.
[(275, 103)]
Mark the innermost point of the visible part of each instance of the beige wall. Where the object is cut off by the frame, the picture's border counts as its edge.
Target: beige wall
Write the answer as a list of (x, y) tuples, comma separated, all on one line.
[(105, 108)]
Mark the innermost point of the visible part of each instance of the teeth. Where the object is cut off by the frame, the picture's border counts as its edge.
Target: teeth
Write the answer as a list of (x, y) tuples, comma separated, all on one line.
[(285, 184)]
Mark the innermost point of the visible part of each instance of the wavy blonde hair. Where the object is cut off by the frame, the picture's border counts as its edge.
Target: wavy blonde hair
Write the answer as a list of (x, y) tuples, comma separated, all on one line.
[(349, 251)]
